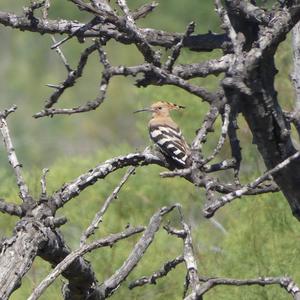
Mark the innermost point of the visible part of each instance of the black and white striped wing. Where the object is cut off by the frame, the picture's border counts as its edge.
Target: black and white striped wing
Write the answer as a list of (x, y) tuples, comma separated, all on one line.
[(171, 142)]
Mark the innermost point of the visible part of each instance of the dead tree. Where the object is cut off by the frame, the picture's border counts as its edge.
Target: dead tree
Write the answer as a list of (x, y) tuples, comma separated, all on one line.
[(249, 42)]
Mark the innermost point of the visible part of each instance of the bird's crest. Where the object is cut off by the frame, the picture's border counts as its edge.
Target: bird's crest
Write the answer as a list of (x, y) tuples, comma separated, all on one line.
[(166, 105)]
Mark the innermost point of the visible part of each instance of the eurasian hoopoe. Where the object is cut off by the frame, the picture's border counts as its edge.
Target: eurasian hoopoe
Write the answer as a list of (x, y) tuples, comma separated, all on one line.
[(166, 134)]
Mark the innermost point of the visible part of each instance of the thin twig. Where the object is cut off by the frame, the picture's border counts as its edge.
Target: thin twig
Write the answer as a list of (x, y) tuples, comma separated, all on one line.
[(211, 208), (73, 75), (61, 55), (286, 282), (99, 215), (112, 283), (12, 157), (177, 48), (140, 41), (222, 139), (43, 183), (70, 81), (192, 277), (206, 127), (189, 258), (163, 271)]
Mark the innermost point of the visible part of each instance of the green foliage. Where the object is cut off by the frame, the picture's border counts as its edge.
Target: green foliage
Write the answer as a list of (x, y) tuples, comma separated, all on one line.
[(262, 236)]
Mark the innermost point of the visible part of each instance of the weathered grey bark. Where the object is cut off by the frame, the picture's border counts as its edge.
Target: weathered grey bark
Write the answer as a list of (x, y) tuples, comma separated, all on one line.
[(295, 115), (82, 280), (251, 40), (200, 42), (296, 59), (33, 238), (255, 68), (17, 255)]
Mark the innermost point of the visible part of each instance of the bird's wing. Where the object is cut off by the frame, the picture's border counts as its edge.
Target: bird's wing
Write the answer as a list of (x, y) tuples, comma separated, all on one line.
[(171, 141)]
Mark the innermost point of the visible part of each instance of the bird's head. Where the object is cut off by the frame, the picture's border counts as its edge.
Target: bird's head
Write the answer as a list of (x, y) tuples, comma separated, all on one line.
[(161, 108)]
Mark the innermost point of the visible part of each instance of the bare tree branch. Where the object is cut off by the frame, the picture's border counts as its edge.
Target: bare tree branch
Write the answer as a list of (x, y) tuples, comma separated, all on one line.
[(63, 265), (206, 126), (62, 56), (72, 189), (287, 283), (144, 10), (249, 45), (163, 271), (200, 42), (139, 38), (43, 183), (73, 75), (221, 141), (177, 48), (223, 165), (203, 69), (17, 254), (71, 79), (212, 207), (111, 284), (11, 209), (296, 60), (99, 215), (12, 157), (82, 281)]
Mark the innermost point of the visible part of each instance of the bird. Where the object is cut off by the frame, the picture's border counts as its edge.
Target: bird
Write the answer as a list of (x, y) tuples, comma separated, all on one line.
[(166, 134)]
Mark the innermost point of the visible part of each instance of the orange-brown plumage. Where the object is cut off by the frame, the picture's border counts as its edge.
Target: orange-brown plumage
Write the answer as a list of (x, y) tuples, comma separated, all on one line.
[(166, 134)]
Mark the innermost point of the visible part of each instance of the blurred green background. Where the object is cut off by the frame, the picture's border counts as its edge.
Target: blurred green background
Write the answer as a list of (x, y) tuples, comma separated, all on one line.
[(259, 236)]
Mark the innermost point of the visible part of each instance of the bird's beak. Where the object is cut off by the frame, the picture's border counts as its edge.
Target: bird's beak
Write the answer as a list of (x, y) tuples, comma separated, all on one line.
[(149, 109)]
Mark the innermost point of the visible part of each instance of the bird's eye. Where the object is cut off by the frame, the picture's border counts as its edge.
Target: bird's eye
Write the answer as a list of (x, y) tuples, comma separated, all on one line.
[(159, 107)]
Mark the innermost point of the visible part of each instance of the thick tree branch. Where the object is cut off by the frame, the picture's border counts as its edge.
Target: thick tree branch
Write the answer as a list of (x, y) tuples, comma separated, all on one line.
[(73, 189), (81, 278), (203, 69), (296, 59), (63, 265), (251, 40), (158, 76), (250, 82), (11, 209), (200, 42), (17, 255)]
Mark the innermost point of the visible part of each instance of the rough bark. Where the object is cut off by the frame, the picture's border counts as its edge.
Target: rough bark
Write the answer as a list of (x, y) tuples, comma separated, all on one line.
[(250, 41), (256, 69), (17, 255)]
